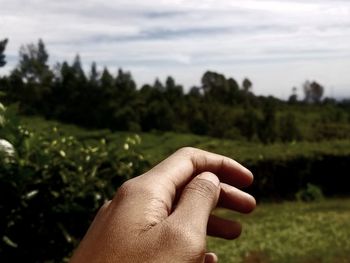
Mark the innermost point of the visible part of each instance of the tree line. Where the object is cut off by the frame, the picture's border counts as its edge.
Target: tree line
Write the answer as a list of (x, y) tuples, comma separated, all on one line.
[(219, 107)]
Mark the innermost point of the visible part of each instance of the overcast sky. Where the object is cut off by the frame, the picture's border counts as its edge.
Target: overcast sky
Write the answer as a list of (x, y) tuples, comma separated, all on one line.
[(277, 44)]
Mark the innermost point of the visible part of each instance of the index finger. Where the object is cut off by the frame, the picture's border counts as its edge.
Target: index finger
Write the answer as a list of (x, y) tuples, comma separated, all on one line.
[(188, 162)]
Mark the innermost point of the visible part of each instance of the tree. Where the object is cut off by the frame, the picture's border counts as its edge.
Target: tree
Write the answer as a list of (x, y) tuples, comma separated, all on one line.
[(33, 65), (313, 92), (77, 69), (248, 96), (248, 123), (234, 94), (94, 75), (3, 44), (289, 130), (4, 83), (294, 97), (125, 87), (268, 130), (173, 92), (215, 86), (75, 86), (159, 116), (247, 85), (195, 92), (36, 76), (158, 86), (69, 93)]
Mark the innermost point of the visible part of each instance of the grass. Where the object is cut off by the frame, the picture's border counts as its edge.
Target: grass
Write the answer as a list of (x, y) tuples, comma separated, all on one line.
[(290, 232), (158, 145)]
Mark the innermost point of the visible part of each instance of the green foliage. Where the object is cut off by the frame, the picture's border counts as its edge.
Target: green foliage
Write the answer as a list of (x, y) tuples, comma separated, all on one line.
[(247, 85), (219, 107), (248, 123), (289, 130), (280, 170), (313, 92), (3, 44), (310, 194), (51, 188), (268, 126), (34, 72), (331, 131)]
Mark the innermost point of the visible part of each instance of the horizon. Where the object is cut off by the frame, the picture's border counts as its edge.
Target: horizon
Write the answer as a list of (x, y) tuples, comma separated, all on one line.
[(276, 44)]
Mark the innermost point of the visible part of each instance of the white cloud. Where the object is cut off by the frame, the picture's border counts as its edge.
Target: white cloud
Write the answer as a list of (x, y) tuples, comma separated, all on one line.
[(277, 43)]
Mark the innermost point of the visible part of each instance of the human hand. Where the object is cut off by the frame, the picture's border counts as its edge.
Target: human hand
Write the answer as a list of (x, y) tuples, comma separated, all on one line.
[(164, 214)]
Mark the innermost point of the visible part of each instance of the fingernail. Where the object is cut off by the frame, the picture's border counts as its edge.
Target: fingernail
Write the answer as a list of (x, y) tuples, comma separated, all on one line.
[(210, 177)]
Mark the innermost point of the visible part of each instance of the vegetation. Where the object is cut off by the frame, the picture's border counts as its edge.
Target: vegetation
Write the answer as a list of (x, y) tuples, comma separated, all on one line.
[(280, 169), (51, 186), (53, 176), (286, 232), (290, 232), (220, 107), (2, 49)]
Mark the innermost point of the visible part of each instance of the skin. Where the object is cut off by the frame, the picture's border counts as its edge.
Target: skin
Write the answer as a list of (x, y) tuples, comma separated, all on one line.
[(164, 215)]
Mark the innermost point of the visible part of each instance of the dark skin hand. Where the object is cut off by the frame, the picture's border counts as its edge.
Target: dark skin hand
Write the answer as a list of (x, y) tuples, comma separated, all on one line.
[(164, 215)]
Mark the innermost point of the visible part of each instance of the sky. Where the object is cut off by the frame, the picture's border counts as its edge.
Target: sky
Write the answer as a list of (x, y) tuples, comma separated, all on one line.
[(276, 44)]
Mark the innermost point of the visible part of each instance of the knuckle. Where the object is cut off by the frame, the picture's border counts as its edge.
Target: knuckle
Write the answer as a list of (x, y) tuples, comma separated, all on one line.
[(104, 208), (187, 150), (126, 188), (136, 188), (203, 188)]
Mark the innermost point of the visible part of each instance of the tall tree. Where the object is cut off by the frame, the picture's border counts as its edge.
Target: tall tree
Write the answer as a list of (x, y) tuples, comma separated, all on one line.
[(175, 96), (195, 92), (313, 91), (94, 74), (125, 114), (158, 86), (34, 72), (215, 86), (3, 44), (125, 86), (247, 85), (4, 84), (234, 95), (294, 97), (173, 92)]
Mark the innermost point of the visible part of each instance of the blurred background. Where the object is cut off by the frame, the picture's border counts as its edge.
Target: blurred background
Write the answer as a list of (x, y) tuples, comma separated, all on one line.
[(94, 93)]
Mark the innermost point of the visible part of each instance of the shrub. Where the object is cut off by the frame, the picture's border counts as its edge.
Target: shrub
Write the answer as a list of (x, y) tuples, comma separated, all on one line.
[(310, 193), (51, 189)]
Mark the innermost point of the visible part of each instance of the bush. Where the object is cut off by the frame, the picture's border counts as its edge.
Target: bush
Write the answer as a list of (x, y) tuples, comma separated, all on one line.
[(278, 179), (310, 193), (51, 189)]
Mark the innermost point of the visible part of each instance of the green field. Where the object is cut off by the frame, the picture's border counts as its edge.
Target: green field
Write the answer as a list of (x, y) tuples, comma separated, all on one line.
[(158, 145), (290, 232), (275, 232)]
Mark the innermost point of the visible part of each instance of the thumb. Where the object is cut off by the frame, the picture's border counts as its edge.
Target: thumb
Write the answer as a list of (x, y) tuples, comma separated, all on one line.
[(197, 200)]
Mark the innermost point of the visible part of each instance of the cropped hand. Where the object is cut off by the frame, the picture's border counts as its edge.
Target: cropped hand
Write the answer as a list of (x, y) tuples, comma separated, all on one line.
[(164, 215)]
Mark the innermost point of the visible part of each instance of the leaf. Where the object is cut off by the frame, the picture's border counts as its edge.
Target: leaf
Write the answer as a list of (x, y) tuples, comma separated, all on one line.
[(9, 242), (31, 194)]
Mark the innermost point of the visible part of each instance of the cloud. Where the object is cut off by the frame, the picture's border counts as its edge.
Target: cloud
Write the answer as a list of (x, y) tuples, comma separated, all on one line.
[(186, 37)]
